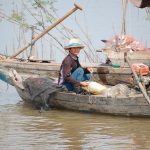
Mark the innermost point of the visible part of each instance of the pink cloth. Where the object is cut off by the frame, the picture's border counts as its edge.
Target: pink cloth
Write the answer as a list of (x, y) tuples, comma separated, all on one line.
[(125, 41)]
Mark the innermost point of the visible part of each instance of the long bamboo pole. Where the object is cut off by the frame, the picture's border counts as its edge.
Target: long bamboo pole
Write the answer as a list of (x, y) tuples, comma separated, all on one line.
[(47, 30)]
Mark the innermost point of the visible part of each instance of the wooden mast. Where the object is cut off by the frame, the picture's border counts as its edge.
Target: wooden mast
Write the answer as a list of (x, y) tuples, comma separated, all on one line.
[(47, 30), (124, 5), (32, 52)]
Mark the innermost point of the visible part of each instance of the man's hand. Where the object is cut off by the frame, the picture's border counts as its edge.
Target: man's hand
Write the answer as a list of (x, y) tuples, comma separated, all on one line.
[(90, 69), (84, 83)]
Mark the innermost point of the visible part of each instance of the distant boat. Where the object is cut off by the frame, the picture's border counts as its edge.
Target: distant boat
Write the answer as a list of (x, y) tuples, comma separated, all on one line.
[(141, 3), (104, 73)]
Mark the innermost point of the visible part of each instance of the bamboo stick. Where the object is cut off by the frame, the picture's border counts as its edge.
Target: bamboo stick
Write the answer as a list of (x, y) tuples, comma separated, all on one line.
[(138, 81), (32, 51), (47, 30)]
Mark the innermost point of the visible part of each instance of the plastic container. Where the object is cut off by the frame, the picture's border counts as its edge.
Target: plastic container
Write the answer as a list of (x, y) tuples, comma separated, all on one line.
[(141, 68), (116, 65)]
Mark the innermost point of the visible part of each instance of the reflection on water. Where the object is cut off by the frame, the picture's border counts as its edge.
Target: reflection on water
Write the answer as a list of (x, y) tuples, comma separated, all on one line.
[(22, 127)]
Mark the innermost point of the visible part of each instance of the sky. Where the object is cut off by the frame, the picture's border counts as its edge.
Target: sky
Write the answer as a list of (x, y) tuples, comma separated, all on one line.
[(100, 19)]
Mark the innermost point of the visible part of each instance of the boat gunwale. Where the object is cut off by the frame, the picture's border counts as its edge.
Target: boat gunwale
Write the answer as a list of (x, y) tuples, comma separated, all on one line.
[(138, 95)]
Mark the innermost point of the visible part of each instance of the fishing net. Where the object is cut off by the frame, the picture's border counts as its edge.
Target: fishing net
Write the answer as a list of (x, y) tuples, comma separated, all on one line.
[(41, 90), (120, 90)]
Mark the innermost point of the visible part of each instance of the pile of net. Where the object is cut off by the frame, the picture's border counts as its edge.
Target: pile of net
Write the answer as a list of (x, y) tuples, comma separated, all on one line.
[(127, 42), (2, 57), (41, 91), (120, 90)]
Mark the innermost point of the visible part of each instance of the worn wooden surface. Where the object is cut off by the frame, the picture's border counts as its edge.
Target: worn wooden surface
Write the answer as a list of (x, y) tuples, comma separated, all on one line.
[(123, 106), (27, 69), (128, 106), (135, 57), (102, 73)]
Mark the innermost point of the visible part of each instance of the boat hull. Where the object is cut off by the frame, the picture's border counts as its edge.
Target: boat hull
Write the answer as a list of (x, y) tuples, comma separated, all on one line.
[(119, 106), (124, 106)]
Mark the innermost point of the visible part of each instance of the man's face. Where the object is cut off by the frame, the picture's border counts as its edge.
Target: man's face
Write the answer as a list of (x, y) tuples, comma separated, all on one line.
[(75, 50)]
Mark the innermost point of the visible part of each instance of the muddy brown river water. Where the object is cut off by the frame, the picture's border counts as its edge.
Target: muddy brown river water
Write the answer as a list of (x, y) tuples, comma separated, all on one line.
[(23, 128)]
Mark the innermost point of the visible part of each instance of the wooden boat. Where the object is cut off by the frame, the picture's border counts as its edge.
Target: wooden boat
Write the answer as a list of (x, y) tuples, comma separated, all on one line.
[(124, 106), (133, 105), (102, 73), (38, 68), (141, 3)]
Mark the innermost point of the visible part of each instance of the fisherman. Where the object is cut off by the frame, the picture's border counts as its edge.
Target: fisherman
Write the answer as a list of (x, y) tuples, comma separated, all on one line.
[(72, 74)]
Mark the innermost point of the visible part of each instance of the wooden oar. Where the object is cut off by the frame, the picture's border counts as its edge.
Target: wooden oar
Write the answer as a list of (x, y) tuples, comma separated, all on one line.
[(138, 81), (47, 30)]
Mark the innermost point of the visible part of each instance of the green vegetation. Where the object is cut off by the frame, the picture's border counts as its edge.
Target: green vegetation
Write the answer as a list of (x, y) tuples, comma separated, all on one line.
[(39, 11)]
